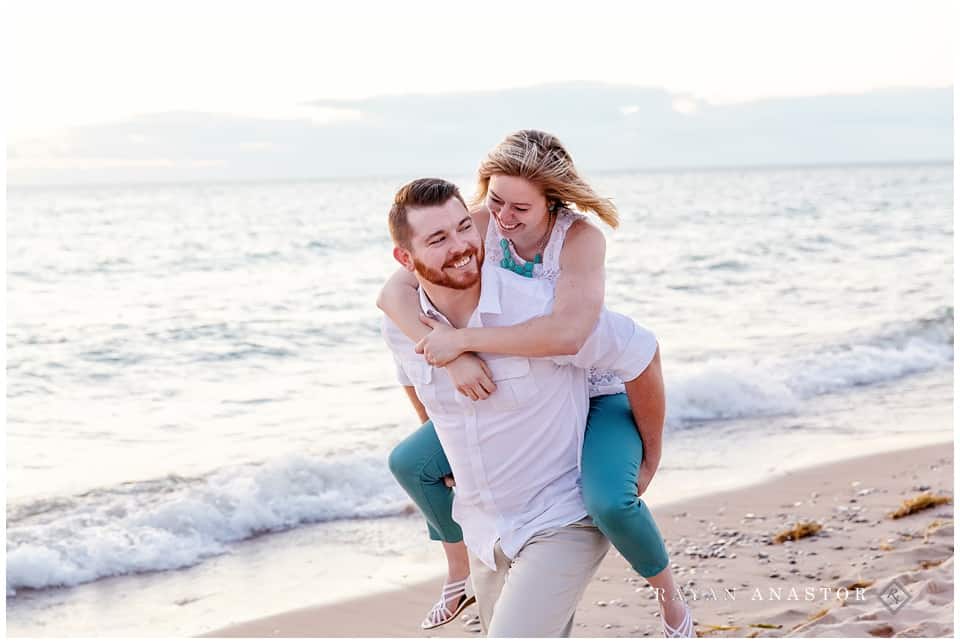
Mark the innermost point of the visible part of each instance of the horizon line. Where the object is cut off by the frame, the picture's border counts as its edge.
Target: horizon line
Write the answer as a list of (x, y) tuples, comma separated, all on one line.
[(635, 170)]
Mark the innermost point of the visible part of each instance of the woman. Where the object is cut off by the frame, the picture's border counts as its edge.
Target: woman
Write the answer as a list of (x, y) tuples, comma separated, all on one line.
[(525, 185)]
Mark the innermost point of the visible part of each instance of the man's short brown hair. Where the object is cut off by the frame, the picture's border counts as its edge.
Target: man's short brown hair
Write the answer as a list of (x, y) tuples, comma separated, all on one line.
[(419, 193)]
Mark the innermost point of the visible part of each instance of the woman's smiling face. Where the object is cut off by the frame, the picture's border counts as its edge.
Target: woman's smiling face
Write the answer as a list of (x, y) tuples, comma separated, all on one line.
[(518, 207)]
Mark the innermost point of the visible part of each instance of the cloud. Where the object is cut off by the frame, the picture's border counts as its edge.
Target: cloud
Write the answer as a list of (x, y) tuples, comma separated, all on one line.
[(606, 127), (685, 105)]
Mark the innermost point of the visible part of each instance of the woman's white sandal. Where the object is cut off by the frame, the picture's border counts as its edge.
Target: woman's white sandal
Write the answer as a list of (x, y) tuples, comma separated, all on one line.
[(440, 614), (686, 624)]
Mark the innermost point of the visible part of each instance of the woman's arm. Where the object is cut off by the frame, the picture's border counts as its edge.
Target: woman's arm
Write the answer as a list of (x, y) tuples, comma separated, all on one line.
[(576, 309), (399, 301), (648, 404)]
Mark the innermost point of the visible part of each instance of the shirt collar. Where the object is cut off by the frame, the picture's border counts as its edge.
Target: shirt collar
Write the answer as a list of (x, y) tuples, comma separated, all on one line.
[(428, 308)]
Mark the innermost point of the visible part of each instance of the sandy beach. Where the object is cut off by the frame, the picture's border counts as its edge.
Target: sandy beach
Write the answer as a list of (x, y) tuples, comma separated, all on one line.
[(863, 573)]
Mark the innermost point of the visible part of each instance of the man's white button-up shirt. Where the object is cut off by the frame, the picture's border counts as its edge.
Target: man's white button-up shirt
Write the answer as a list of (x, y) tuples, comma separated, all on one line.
[(516, 455)]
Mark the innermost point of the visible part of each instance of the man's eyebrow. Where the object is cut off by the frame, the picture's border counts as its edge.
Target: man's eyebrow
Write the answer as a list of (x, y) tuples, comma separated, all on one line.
[(498, 197)]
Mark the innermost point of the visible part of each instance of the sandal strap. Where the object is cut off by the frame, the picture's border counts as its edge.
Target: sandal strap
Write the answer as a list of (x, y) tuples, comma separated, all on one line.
[(440, 612), (686, 625), (449, 591)]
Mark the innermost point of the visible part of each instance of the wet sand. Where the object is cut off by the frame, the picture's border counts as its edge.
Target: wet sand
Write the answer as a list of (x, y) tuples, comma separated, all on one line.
[(737, 580)]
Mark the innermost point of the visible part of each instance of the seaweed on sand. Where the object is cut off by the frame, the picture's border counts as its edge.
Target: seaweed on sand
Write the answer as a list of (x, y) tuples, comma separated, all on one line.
[(799, 531), (918, 503)]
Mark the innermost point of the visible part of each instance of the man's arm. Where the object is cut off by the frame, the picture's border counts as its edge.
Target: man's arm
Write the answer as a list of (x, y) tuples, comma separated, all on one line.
[(401, 347), (648, 404), (417, 405), (449, 481)]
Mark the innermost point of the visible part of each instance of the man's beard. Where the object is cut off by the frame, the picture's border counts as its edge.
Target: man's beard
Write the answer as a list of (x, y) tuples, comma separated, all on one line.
[(459, 282)]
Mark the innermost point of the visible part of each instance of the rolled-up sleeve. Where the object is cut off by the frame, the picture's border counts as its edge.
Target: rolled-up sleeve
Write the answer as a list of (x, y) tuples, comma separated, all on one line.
[(617, 344)]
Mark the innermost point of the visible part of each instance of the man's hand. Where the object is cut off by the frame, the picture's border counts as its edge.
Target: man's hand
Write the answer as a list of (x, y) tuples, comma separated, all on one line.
[(442, 344), (471, 377)]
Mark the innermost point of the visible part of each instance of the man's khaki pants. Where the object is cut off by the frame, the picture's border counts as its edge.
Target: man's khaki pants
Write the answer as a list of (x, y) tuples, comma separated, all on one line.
[(537, 593)]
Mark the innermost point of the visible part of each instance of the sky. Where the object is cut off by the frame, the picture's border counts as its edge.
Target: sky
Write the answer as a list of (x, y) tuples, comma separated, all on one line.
[(102, 91), (76, 63)]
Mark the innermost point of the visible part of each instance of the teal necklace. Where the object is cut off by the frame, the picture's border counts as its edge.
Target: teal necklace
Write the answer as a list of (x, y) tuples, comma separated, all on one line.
[(525, 269)]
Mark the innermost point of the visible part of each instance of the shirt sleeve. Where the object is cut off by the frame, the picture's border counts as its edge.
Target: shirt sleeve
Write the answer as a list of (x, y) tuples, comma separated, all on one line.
[(618, 344), (402, 377), (400, 346)]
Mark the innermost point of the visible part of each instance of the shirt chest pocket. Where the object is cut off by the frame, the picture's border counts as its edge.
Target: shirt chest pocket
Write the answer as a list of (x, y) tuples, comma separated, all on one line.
[(516, 385), (435, 395)]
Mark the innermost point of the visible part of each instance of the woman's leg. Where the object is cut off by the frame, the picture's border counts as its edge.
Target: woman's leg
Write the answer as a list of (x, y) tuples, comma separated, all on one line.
[(420, 466), (612, 453)]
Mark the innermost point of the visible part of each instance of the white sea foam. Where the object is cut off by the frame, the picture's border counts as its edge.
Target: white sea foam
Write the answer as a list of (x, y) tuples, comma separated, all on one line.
[(175, 522), (757, 386)]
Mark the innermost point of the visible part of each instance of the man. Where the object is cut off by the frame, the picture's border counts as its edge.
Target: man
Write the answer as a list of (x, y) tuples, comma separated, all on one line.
[(516, 454)]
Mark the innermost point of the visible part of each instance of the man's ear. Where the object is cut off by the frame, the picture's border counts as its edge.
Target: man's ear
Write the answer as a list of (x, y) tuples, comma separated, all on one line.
[(403, 256)]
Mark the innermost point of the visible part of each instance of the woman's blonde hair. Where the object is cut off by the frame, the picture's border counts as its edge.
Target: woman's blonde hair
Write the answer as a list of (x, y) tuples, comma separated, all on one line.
[(541, 159)]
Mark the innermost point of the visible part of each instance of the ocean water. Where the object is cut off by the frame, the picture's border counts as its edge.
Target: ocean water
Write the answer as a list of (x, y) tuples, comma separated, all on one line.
[(191, 368)]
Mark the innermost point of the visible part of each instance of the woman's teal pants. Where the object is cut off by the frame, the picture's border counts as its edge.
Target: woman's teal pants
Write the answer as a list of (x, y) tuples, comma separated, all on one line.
[(612, 453)]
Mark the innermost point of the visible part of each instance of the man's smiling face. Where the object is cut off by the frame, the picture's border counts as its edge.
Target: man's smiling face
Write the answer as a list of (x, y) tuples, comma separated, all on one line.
[(445, 246)]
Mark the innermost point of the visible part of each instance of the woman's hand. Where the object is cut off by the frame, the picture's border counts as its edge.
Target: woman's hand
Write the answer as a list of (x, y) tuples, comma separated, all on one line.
[(647, 470), (442, 344), (471, 377)]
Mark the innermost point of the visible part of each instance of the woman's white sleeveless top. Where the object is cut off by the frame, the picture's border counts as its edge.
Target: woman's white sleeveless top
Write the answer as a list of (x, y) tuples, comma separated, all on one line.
[(601, 382)]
